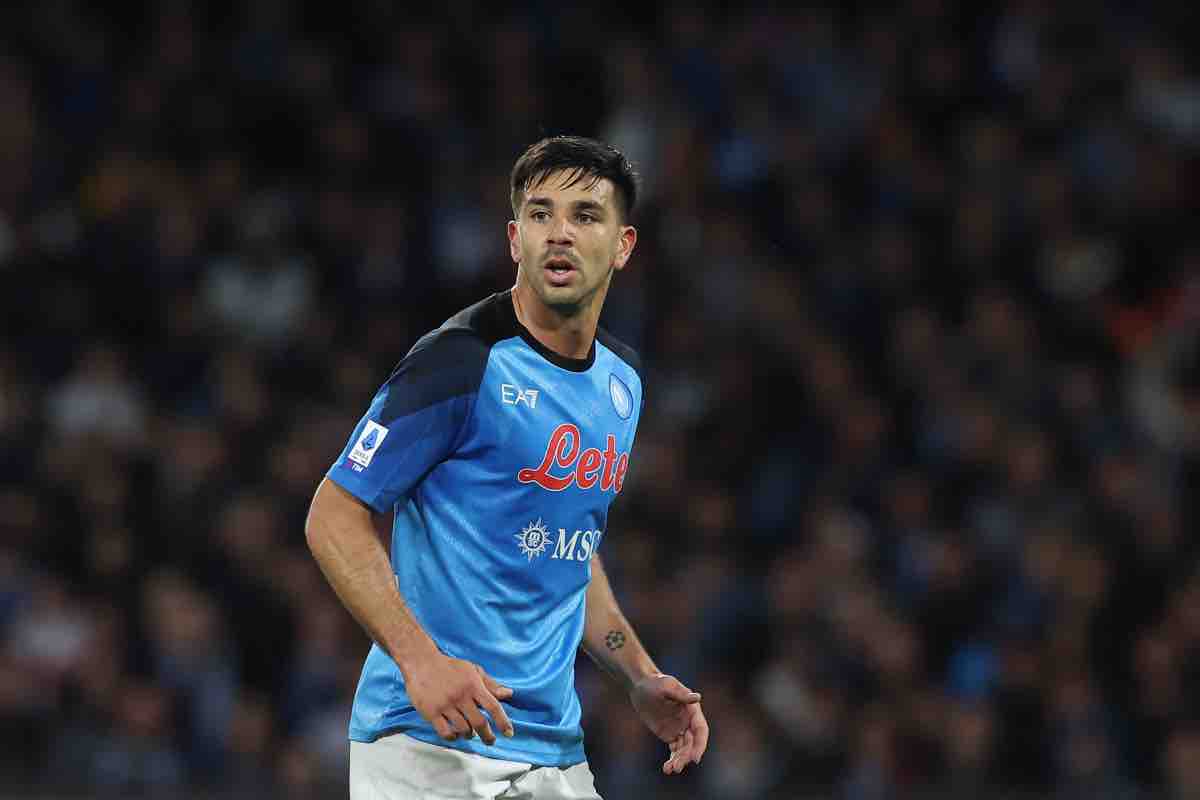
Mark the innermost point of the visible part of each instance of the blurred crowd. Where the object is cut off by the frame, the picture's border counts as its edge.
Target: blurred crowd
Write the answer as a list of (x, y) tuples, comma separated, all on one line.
[(917, 287)]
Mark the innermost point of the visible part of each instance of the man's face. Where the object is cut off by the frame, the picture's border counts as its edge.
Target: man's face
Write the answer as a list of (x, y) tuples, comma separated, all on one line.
[(567, 240)]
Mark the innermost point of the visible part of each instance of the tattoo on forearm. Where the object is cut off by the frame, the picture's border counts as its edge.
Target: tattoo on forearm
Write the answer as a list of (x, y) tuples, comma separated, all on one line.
[(615, 640)]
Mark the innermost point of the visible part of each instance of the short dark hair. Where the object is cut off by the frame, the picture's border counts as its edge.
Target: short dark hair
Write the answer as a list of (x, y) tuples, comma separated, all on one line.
[(584, 159)]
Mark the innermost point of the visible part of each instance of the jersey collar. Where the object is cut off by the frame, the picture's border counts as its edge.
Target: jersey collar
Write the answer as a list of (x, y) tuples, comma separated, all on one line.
[(557, 359)]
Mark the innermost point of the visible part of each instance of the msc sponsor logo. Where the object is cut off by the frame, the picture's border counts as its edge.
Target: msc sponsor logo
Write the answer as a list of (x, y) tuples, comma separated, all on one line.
[(564, 547), (535, 539)]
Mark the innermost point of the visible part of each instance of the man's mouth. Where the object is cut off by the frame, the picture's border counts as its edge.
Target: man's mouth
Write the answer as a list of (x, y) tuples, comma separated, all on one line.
[(559, 269)]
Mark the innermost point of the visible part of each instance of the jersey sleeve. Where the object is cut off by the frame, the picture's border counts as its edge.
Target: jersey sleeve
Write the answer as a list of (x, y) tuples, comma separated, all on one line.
[(415, 421)]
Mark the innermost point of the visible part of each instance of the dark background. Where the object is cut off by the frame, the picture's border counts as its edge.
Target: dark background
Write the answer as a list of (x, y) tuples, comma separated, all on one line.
[(915, 492)]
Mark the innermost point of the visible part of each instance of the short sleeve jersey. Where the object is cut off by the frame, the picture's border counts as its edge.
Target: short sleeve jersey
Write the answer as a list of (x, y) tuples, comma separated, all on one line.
[(500, 459)]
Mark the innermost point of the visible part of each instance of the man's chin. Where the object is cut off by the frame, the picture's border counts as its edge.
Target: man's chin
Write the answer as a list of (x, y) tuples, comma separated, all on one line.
[(565, 300)]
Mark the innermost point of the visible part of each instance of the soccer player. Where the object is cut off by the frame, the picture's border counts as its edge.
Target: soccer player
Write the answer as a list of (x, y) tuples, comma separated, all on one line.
[(499, 441)]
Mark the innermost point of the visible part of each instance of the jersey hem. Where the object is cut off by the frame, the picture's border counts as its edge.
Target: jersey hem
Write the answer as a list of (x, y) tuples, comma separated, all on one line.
[(496, 751)]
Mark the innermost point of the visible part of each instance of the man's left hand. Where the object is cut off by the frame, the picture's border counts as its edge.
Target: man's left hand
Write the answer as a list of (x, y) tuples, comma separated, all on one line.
[(672, 713)]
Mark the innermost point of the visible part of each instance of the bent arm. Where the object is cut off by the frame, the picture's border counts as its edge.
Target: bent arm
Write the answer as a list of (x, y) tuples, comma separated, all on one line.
[(668, 708), (609, 638), (344, 543)]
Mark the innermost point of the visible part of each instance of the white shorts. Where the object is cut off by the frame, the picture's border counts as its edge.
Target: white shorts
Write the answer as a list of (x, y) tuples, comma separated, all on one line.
[(399, 767)]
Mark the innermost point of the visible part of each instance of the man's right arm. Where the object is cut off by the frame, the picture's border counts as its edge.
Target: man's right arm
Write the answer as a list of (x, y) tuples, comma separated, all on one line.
[(344, 543), (448, 692)]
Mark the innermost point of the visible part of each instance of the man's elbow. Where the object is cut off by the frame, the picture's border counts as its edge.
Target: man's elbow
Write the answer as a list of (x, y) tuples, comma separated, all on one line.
[(313, 528), (316, 524)]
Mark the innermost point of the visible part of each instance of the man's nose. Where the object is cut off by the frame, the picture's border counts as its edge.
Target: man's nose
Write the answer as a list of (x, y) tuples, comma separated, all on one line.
[(562, 232)]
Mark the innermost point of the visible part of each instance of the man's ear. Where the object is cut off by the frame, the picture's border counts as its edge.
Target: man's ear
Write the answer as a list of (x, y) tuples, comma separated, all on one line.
[(514, 241), (625, 245)]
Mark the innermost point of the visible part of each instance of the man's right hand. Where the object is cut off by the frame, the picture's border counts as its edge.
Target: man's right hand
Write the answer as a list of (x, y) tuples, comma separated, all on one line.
[(449, 693)]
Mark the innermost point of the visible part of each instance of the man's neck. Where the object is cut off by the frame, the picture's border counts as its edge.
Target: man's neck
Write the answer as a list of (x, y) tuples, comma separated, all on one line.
[(569, 336)]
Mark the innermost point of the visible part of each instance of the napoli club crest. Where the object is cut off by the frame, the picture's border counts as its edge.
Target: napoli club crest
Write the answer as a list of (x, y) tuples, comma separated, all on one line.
[(622, 399)]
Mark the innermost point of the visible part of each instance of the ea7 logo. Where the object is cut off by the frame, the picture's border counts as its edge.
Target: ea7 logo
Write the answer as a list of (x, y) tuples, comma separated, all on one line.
[(515, 395)]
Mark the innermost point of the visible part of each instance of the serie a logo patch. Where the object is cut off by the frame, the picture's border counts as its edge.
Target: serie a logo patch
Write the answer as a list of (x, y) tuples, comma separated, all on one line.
[(368, 443)]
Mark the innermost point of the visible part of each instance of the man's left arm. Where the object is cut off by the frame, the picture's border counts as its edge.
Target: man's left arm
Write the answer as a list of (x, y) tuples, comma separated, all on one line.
[(670, 710)]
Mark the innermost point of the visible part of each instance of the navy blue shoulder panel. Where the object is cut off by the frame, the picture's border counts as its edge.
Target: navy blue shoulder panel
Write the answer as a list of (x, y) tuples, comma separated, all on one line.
[(450, 361), (622, 351)]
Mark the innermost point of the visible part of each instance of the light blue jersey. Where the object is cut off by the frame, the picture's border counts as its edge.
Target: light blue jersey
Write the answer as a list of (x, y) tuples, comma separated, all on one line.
[(500, 458)]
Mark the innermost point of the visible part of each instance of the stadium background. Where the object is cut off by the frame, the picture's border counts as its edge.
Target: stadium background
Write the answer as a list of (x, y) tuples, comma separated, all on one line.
[(915, 493)]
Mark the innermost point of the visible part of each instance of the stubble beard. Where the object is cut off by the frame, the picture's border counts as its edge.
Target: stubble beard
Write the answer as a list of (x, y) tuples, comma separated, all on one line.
[(569, 307)]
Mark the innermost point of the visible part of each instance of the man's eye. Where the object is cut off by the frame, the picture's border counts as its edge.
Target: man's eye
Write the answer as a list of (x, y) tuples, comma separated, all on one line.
[(588, 218), (540, 216)]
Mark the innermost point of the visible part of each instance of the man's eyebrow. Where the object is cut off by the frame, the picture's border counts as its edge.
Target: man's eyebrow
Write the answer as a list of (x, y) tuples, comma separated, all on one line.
[(546, 202)]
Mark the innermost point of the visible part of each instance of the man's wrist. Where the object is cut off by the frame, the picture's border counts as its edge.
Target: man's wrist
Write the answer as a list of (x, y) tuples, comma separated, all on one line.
[(643, 673), (415, 654)]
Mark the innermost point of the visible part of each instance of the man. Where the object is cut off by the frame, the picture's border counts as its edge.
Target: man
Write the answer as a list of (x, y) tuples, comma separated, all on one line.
[(500, 440)]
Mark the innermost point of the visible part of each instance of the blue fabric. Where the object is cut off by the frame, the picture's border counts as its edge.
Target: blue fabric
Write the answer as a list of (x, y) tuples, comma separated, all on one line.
[(501, 494)]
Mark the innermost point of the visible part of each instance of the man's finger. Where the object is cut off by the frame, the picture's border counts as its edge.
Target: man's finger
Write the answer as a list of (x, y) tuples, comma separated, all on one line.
[(700, 732), (479, 725), (672, 762), (680, 693), (688, 749), (443, 729), (458, 722), (496, 711), (679, 748), (494, 686)]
